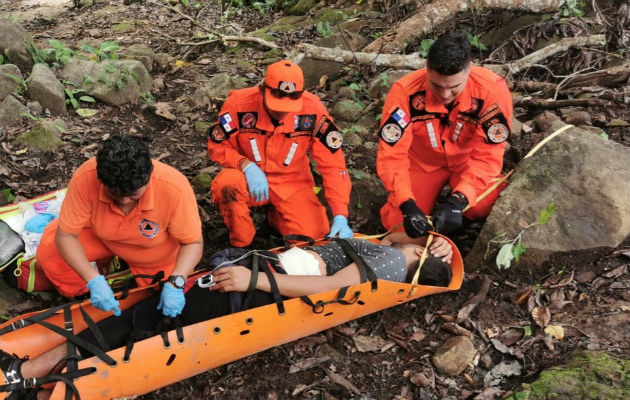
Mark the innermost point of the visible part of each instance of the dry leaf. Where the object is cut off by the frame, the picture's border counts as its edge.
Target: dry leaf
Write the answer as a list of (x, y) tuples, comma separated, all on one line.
[(511, 336), (616, 272), (525, 295), (417, 336), (556, 331), (372, 343), (422, 380), (541, 316), (164, 110), (323, 80)]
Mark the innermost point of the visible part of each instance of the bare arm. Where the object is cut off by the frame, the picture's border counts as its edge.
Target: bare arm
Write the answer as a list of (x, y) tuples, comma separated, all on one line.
[(72, 252), (188, 257), (439, 246), (236, 279)]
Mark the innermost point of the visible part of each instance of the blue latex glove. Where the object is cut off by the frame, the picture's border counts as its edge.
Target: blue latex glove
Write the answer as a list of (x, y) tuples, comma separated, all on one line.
[(101, 295), (172, 301), (38, 222), (340, 226), (256, 182)]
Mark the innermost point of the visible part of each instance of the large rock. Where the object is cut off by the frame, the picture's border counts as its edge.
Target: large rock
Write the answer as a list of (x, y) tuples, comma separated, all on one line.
[(367, 197), (14, 43), (584, 375), (11, 111), (10, 78), (347, 110), (141, 53), (45, 88), (587, 178), (217, 89), (44, 136), (454, 355), (113, 82)]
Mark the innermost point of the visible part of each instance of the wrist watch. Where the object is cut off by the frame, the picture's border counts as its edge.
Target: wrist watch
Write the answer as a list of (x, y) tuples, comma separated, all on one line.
[(178, 281)]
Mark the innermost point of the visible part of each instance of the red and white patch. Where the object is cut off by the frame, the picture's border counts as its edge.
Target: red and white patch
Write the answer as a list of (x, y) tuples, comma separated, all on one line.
[(248, 120), (498, 133), (391, 133)]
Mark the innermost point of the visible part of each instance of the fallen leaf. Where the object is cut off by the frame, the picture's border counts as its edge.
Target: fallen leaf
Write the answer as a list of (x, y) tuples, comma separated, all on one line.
[(86, 112), (372, 343), (164, 110), (616, 272), (323, 80), (623, 252), (586, 276), (556, 331), (557, 300), (522, 223), (500, 371), (625, 308), (511, 336), (209, 170), (417, 336), (541, 316), (525, 295), (422, 380), (307, 363), (299, 389)]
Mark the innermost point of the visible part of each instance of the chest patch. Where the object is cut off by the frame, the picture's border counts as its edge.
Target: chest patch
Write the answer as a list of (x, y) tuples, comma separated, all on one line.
[(248, 119), (418, 101), (149, 229), (304, 122)]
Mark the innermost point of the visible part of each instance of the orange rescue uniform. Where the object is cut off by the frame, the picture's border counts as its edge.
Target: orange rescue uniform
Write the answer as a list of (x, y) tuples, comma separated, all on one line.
[(424, 145), (148, 238), (245, 131)]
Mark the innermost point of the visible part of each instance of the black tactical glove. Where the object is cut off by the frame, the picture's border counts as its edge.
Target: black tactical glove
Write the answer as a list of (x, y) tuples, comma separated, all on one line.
[(447, 216), (414, 221)]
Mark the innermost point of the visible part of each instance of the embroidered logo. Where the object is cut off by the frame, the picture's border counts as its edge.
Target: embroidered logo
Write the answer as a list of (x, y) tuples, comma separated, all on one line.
[(334, 139), (287, 87), (248, 120), (227, 123), (418, 102), (498, 133), (391, 133), (217, 134), (148, 229)]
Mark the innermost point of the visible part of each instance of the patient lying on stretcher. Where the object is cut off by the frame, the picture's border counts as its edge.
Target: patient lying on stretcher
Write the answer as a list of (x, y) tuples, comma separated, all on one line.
[(298, 273)]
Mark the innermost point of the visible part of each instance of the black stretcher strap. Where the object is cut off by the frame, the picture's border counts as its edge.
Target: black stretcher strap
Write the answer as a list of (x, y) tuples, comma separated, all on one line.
[(71, 365), (296, 237), (319, 306), (96, 331), (253, 281), (364, 270), (65, 377)]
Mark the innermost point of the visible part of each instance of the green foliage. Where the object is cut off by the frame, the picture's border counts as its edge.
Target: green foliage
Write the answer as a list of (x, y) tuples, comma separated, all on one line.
[(22, 87), (386, 80), (264, 7), (74, 101), (513, 249), (37, 55), (106, 51), (475, 42), (9, 196), (425, 45), (31, 117), (604, 135), (323, 29), (59, 51), (147, 97), (1, 59), (358, 93), (572, 8), (375, 35), (125, 76)]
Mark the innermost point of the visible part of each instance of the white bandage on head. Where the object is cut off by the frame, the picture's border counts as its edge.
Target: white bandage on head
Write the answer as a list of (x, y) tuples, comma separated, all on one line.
[(297, 261)]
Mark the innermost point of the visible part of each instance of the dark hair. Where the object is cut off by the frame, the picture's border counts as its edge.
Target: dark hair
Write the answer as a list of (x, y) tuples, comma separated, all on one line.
[(123, 164), (450, 54)]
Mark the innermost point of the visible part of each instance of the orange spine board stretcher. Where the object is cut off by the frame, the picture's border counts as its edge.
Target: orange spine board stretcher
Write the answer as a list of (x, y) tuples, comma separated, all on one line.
[(210, 344)]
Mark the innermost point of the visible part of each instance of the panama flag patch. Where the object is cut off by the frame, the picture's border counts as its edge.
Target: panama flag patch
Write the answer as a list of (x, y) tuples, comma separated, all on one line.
[(401, 117), (227, 123)]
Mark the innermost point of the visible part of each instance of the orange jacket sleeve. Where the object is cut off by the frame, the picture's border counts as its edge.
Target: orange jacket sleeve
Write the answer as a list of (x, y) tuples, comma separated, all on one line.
[(222, 143), (485, 160), (331, 164), (392, 159)]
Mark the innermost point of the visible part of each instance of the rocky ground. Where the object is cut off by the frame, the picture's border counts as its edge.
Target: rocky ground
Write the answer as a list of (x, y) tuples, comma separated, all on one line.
[(503, 326)]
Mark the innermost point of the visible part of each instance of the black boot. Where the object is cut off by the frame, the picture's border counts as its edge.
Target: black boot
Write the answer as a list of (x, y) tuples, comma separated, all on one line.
[(11, 365)]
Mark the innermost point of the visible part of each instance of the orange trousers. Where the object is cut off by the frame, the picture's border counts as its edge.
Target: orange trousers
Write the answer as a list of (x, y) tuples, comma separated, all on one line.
[(426, 187), (301, 213), (67, 282)]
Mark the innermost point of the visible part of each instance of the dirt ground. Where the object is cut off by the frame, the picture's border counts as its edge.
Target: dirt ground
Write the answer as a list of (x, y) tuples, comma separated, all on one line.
[(586, 293)]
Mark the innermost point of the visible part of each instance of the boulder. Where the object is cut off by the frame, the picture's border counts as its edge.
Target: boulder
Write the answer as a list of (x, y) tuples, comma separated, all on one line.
[(113, 82), (217, 89), (45, 88), (44, 136), (141, 53), (347, 110), (584, 375), (11, 111), (10, 78), (14, 43), (367, 197), (587, 178), (454, 355)]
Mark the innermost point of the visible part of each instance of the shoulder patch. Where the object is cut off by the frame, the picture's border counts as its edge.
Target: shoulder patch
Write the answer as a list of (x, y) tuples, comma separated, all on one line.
[(248, 120), (217, 134), (329, 135), (391, 133), (305, 122), (496, 128), (227, 123), (400, 116)]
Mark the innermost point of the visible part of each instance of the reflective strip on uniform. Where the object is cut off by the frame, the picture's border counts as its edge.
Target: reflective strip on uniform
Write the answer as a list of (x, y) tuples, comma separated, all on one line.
[(458, 129), (255, 150), (432, 137), (289, 158)]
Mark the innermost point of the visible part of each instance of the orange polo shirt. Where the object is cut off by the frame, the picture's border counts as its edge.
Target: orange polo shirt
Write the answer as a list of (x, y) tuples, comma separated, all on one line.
[(165, 216)]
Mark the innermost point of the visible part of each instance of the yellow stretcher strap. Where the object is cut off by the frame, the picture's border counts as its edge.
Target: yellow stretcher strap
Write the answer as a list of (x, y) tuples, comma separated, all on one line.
[(423, 258)]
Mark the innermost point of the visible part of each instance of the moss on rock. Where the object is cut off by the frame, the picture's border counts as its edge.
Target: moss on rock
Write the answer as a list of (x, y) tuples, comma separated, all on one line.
[(301, 7), (330, 15), (585, 375)]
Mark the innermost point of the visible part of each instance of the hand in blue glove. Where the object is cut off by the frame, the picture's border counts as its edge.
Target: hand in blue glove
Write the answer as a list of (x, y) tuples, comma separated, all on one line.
[(256, 182), (101, 295), (172, 301), (340, 226)]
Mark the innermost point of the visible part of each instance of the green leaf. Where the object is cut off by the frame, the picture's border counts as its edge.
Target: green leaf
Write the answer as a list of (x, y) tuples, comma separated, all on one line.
[(88, 48), (110, 67), (108, 47), (185, 3), (86, 112), (527, 331), (74, 102), (505, 256), (7, 193), (603, 134), (517, 251), (1, 59), (546, 213), (87, 99)]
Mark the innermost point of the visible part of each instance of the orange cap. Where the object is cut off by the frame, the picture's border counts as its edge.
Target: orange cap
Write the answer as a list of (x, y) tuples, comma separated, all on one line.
[(284, 85)]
